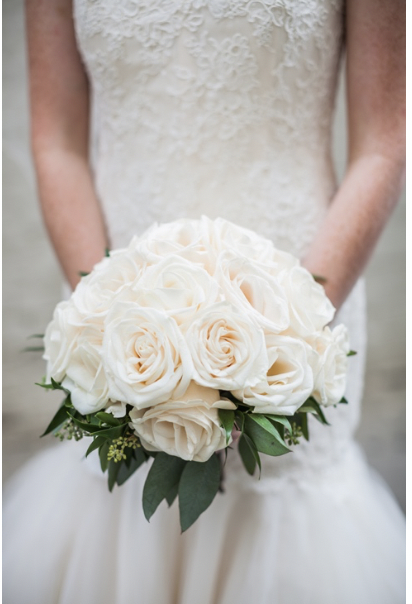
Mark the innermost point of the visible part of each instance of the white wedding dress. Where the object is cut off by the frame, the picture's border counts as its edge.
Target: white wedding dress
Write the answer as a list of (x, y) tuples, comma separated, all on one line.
[(222, 108)]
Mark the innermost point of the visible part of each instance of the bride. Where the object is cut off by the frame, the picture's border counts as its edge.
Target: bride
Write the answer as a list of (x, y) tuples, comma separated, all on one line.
[(153, 110)]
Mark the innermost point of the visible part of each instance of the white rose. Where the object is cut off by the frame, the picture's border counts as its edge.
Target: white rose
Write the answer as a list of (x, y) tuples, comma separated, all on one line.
[(179, 287), (289, 381), (145, 356), (248, 287), (85, 376), (330, 363), (96, 292), (184, 237), (310, 309), (60, 339), (228, 350), (224, 235), (187, 427)]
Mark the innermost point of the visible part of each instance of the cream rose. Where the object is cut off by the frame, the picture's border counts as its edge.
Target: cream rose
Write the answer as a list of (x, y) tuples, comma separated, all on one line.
[(288, 382), (60, 339), (330, 362), (228, 349), (179, 287), (309, 307), (248, 287), (184, 237), (85, 376), (145, 356), (95, 293), (188, 427)]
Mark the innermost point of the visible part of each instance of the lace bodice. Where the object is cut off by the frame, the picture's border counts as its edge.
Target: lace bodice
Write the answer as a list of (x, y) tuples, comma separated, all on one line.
[(223, 108)]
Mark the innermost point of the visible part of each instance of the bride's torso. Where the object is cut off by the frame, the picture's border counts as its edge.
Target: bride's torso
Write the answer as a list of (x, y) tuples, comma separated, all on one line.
[(221, 108)]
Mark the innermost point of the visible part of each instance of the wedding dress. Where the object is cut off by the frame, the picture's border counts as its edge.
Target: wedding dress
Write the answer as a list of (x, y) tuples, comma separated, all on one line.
[(222, 108)]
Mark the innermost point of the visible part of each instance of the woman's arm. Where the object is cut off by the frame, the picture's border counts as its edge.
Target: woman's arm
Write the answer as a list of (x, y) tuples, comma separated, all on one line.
[(59, 95), (376, 120)]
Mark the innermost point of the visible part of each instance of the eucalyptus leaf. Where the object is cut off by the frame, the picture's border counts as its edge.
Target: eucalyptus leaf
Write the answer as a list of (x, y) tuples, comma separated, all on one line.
[(137, 459), (198, 486), (227, 418), (265, 441), (165, 472)]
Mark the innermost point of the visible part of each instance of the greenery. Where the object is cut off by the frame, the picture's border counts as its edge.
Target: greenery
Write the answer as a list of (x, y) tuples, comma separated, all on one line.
[(194, 484)]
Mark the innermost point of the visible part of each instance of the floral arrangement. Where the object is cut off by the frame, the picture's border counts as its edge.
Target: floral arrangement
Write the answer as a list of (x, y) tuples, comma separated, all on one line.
[(197, 329)]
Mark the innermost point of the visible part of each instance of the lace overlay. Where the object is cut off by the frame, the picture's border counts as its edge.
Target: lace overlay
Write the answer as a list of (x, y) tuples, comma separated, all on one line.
[(222, 108)]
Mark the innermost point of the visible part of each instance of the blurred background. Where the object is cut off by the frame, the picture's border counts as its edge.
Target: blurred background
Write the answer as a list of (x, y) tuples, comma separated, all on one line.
[(32, 287)]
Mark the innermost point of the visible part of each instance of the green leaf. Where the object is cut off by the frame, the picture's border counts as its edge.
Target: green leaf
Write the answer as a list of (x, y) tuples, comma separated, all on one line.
[(107, 252), (165, 472), (265, 441), (109, 433), (35, 335), (240, 420), (83, 274), (108, 418), (33, 349), (343, 401), (114, 467), (197, 488), (280, 419), (320, 279), (227, 418), (249, 454), (172, 494), (351, 353), (103, 452), (96, 444), (303, 419), (311, 406), (137, 459), (269, 427), (59, 418), (52, 386)]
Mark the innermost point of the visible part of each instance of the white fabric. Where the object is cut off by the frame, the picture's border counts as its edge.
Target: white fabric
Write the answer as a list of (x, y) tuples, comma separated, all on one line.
[(221, 108)]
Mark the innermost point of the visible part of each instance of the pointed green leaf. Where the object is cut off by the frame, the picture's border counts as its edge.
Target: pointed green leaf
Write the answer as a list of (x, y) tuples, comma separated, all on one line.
[(303, 417), (268, 426), (59, 418), (198, 486), (35, 335), (351, 353), (114, 467), (265, 441), (165, 472), (280, 419), (172, 494), (126, 471), (248, 454), (107, 252), (227, 419), (343, 401), (103, 452), (96, 444), (108, 418), (33, 349)]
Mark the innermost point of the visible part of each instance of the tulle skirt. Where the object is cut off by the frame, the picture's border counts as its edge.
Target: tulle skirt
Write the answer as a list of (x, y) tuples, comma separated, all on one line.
[(67, 540)]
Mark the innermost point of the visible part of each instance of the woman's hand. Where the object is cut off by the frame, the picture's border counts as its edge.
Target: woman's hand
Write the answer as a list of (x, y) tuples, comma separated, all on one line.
[(59, 95), (376, 117)]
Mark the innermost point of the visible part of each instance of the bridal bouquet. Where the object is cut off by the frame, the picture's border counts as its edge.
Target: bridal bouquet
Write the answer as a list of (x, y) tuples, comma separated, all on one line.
[(197, 329)]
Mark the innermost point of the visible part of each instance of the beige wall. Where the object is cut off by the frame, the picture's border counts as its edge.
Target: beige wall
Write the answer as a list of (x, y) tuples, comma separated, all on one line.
[(32, 284)]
